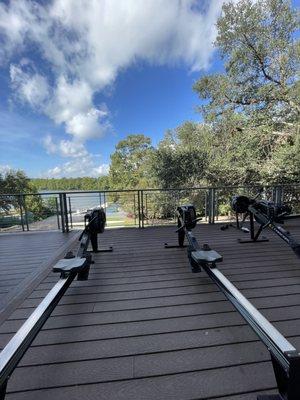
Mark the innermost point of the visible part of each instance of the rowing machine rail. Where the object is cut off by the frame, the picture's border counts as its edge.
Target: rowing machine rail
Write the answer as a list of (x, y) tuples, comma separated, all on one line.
[(285, 357), (69, 268)]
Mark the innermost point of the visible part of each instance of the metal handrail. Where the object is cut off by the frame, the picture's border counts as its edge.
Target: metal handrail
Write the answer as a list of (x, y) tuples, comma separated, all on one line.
[(20, 342), (141, 209), (154, 189)]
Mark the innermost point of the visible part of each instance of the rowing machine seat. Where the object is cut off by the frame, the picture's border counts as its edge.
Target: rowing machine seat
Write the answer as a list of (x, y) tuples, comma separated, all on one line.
[(68, 265), (206, 256)]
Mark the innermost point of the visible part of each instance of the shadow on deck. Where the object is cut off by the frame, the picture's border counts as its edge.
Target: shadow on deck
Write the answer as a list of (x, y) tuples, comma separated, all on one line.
[(144, 327)]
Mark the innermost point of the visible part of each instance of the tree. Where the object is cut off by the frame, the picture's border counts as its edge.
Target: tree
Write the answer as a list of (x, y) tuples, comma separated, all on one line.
[(13, 185), (82, 183), (182, 156), (129, 166), (12, 182), (284, 166), (253, 107), (261, 55)]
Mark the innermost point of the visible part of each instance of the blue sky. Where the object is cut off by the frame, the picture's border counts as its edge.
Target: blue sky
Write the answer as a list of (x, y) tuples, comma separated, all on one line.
[(144, 99), (78, 76)]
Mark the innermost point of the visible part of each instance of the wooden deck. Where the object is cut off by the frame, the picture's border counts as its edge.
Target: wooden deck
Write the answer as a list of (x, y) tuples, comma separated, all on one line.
[(144, 327), (25, 259)]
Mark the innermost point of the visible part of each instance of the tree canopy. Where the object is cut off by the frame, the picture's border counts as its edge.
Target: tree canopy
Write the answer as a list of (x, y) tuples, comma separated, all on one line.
[(130, 162), (250, 132), (15, 183), (256, 41), (83, 183)]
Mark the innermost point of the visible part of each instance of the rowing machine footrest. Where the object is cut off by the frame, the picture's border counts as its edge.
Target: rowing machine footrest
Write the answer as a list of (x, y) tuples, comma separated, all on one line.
[(206, 256), (66, 266)]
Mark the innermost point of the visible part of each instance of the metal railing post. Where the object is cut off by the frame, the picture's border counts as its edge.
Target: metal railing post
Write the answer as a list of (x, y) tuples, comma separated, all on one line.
[(62, 216), (57, 213), (64, 212), (278, 195), (21, 213), (139, 207), (70, 212), (25, 212), (146, 195), (134, 208), (176, 205), (142, 207), (206, 206), (211, 205), (216, 207), (104, 197)]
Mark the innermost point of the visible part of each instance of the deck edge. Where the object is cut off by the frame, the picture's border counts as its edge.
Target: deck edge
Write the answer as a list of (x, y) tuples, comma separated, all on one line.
[(16, 296)]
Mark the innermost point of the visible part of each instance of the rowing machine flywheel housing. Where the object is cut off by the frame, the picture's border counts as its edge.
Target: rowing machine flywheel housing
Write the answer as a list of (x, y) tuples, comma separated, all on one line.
[(240, 204), (188, 215), (97, 219)]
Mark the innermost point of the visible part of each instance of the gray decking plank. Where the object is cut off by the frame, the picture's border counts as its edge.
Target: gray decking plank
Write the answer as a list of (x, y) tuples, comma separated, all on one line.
[(284, 298), (139, 366), (170, 327), (166, 342), (211, 294), (21, 252), (85, 330), (70, 320), (191, 385)]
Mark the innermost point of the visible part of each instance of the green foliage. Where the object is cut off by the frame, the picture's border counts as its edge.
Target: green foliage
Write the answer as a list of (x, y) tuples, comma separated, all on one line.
[(130, 163), (14, 183), (85, 183), (284, 166), (261, 56), (251, 132), (254, 105), (251, 129), (182, 157), (38, 207)]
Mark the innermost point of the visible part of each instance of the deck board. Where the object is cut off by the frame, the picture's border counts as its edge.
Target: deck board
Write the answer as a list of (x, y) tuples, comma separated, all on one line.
[(144, 327), (25, 259)]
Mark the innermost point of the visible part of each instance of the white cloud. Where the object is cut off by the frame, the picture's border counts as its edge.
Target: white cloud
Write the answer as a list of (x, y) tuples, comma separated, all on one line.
[(81, 164), (4, 169), (78, 167), (80, 46), (69, 99), (87, 124), (49, 145), (30, 87), (85, 43), (72, 149), (65, 148)]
